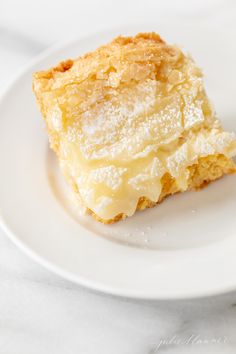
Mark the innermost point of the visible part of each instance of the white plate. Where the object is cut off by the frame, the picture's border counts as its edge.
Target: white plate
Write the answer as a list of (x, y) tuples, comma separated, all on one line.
[(183, 248)]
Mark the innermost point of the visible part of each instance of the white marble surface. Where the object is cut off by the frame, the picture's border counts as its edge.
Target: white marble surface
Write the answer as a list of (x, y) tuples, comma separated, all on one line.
[(41, 313)]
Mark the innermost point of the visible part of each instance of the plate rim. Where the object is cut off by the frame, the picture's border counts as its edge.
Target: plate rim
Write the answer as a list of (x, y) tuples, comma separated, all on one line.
[(99, 287), (94, 285)]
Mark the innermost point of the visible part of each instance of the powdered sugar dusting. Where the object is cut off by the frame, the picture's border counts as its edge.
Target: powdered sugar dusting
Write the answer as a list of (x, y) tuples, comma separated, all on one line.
[(107, 130), (110, 175), (193, 114)]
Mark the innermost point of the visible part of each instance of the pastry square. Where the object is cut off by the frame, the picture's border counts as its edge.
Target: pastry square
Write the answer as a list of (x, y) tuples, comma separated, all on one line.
[(131, 124)]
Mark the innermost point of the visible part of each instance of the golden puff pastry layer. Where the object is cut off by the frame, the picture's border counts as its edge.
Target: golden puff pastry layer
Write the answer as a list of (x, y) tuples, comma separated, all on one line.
[(130, 124)]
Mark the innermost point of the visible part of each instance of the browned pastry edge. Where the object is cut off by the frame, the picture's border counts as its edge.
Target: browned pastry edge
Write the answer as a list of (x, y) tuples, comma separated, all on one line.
[(65, 65), (61, 67)]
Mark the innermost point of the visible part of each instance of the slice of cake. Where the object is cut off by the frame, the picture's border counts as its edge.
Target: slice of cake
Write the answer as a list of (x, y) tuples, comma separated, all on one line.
[(131, 124)]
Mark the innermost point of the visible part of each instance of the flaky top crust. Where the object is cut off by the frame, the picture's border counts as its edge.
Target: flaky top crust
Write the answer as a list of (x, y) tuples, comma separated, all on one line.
[(99, 75), (117, 56)]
